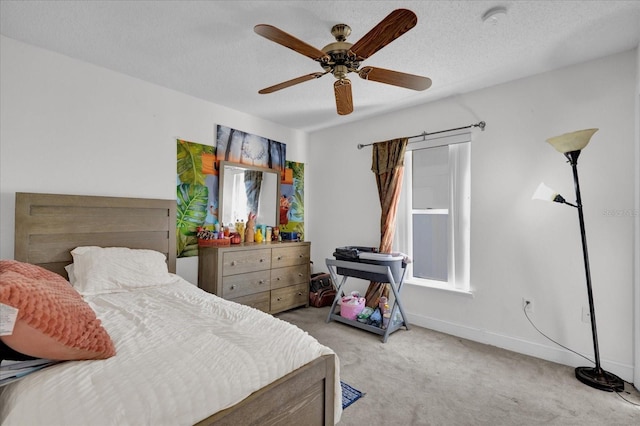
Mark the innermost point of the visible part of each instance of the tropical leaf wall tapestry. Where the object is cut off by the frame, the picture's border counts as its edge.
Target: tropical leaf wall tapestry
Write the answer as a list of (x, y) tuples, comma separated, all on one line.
[(292, 199), (197, 193), (197, 182)]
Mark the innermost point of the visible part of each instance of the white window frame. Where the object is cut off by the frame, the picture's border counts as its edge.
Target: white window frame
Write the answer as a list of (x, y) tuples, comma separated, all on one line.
[(459, 212)]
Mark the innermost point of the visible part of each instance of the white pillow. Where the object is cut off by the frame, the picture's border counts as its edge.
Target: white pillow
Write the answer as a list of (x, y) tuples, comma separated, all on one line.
[(111, 269), (70, 273)]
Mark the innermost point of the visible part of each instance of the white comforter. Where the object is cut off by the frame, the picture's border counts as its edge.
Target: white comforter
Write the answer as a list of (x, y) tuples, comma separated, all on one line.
[(182, 355)]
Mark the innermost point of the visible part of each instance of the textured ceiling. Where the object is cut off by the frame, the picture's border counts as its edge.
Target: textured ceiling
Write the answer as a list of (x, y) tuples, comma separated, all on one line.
[(208, 48)]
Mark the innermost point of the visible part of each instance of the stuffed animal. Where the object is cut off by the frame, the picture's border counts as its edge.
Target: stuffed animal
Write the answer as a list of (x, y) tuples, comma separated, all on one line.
[(250, 229)]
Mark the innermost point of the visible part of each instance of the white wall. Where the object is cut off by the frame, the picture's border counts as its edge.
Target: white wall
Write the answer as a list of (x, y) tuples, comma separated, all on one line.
[(70, 127), (519, 247)]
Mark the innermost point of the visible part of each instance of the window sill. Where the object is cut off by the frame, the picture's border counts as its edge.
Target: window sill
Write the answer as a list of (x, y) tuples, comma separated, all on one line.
[(437, 285)]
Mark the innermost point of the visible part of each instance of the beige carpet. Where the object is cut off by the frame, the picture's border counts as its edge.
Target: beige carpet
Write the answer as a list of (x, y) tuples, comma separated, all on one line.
[(422, 377)]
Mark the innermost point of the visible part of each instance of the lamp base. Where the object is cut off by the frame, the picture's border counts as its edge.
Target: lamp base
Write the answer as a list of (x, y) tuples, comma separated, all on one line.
[(599, 379)]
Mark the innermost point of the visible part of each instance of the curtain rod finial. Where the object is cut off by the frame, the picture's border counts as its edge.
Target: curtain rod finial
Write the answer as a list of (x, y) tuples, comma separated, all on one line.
[(481, 124), (360, 146)]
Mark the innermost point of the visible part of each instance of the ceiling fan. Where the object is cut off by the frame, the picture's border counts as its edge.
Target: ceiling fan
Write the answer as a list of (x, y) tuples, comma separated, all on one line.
[(340, 57)]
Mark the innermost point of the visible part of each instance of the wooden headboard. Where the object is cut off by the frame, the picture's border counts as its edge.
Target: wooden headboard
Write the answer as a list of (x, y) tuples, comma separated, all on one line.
[(49, 226)]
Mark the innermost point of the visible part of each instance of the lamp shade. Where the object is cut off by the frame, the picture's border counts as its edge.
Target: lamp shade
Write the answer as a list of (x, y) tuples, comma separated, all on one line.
[(574, 141), (544, 193)]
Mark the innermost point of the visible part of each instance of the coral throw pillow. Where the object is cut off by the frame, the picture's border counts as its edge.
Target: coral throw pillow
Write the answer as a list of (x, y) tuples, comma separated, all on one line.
[(53, 321)]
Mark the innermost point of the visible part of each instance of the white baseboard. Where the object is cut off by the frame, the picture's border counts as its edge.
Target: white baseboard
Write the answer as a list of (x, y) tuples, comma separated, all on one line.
[(549, 353)]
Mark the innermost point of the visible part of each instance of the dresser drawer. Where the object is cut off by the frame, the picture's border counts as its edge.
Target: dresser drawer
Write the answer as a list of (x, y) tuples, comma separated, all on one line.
[(289, 256), (289, 297), (272, 276), (284, 277), (239, 262), (260, 301), (240, 285)]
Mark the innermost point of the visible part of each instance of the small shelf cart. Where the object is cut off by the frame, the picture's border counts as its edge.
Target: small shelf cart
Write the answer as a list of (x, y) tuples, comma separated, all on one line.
[(382, 274)]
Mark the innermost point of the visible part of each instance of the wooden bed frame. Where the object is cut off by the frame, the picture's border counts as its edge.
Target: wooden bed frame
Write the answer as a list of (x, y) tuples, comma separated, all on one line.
[(49, 226)]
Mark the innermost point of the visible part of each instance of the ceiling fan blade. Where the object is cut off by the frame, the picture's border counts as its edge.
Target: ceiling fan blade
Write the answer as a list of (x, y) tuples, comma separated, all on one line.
[(287, 40), (344, 101), (390, 28), (291, 82), (395, 78)]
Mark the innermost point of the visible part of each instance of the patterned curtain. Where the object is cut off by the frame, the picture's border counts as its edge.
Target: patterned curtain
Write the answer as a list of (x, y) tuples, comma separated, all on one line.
[(253, 184), (388, 167)]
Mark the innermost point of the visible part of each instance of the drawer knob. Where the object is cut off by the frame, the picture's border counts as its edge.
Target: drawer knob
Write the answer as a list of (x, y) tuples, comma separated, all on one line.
[(279, 299), (277, 278), (299, 274), (233, 287), (301, 256), (299, 293), (279, 257), (261, 260), (233, 263), (261, 282)]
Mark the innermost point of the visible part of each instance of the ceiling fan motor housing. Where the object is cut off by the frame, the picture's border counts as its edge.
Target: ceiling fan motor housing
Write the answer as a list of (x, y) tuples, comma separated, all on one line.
[(341, 62)]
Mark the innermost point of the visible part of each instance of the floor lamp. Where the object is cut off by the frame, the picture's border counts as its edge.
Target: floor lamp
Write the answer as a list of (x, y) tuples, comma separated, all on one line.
[(571, 145)]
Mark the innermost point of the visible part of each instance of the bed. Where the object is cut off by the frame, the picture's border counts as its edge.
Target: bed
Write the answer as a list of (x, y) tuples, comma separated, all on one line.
[(183, 356)]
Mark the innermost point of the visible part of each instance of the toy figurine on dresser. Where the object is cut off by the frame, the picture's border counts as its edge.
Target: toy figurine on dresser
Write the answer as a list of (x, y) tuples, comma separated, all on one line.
[(240, 230), (250, 230), (258, 235)]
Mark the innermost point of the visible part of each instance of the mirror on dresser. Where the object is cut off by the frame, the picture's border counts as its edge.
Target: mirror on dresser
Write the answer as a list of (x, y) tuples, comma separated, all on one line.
[(244, 189)]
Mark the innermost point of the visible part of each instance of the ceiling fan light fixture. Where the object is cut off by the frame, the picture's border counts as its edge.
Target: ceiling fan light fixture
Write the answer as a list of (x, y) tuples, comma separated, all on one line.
[(340, 71), (494, 15)]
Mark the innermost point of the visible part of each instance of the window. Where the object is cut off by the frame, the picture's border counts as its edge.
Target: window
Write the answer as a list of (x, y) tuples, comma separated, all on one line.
[(433, 216)]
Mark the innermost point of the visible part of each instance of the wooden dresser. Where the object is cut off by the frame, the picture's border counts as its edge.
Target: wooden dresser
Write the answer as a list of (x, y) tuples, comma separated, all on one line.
[(272, 277)]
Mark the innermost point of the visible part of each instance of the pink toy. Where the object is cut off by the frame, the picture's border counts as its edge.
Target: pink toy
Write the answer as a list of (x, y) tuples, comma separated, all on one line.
[(351, 307)]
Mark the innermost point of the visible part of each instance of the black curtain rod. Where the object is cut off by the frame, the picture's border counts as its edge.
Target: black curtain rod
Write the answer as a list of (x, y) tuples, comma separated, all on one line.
[(423, 135)]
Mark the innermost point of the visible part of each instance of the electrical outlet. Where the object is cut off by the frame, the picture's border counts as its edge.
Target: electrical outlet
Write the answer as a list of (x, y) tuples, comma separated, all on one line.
[(586, 314), (527, 304)]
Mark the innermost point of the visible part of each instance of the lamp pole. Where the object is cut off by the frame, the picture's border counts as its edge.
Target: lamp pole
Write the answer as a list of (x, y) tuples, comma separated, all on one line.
[(594, 377)]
